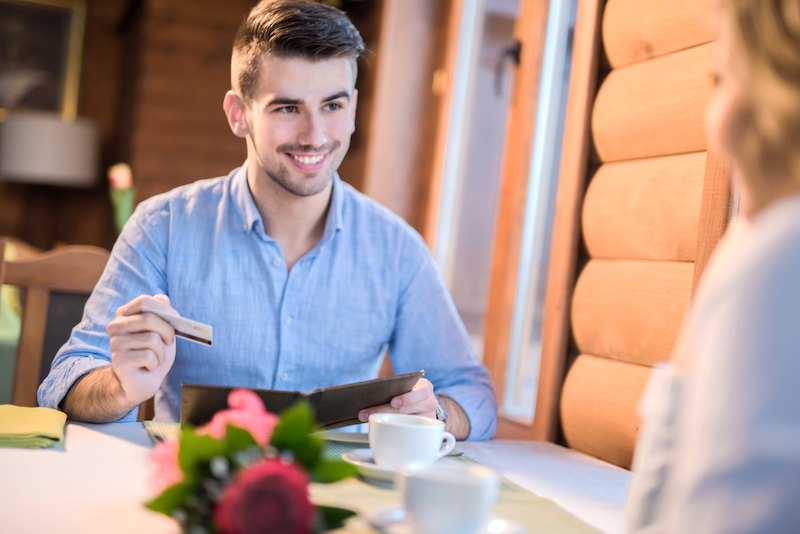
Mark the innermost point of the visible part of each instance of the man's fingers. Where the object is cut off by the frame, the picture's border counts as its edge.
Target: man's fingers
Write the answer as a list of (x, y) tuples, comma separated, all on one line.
[(126, 345), (141, 324), (364, 414), (422, 391), (134, 307), (132, 360)]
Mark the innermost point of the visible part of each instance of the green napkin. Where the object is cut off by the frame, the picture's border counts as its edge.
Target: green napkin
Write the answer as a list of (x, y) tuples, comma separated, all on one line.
[(30, 428)]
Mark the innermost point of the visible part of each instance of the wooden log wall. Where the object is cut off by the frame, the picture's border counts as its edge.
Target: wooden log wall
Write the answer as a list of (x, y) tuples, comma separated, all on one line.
[(640, 215)]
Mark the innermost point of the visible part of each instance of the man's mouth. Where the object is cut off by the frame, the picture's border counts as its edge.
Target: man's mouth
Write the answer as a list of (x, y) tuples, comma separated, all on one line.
[(308, 160)]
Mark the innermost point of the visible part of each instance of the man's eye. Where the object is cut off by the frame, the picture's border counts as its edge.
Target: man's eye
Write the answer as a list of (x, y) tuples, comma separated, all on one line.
[(287, 109), (333, 106)]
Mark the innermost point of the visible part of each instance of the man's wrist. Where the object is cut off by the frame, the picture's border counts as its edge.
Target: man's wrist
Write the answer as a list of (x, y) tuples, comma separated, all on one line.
[(124, 399), (441, 411), (457, 420), (97, 397)]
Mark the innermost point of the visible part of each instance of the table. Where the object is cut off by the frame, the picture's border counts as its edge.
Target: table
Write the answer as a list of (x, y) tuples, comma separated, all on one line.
[(96, 482)]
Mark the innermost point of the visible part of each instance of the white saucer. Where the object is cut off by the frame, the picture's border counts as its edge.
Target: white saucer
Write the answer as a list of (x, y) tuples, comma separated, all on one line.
[(394, 521), (363, 460)]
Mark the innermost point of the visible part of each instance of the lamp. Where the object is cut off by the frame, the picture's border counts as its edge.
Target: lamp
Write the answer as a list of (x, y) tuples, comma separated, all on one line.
[(47, 154), (43, 148)]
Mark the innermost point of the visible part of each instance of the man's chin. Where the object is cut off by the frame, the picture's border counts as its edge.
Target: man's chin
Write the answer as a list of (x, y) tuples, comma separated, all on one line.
[(307, 186)]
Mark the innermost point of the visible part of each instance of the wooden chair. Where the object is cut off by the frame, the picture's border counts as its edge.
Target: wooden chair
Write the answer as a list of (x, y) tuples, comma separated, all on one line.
[(3, 243), (54, 288)]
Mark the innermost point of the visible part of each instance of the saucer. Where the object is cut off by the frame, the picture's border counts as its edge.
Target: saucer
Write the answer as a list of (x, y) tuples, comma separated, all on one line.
[(367, 468), (394, 521)]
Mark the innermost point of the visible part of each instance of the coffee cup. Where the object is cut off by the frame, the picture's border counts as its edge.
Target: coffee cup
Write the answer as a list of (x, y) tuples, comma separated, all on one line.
[(398, 440), (448, 498)]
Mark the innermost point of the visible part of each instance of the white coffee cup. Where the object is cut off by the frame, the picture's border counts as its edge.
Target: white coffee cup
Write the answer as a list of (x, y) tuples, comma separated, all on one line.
[(398, 440), (448, 498)]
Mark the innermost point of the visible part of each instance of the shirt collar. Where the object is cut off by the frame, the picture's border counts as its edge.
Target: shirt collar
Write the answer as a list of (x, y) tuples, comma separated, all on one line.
[(250, 216), (243, 199)]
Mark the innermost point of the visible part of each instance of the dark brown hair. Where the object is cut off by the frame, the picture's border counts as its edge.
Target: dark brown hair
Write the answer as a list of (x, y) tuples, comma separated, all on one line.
[(290, 29)]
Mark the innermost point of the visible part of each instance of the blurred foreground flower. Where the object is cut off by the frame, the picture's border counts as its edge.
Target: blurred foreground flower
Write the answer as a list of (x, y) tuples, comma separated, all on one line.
[(120, 178), (247, 471), (246, 412), (269, 496)]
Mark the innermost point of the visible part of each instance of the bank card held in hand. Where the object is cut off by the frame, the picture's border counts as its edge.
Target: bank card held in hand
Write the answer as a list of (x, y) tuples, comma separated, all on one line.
[(185, 328)]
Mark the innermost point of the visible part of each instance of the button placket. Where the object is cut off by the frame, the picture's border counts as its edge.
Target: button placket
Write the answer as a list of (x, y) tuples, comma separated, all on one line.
[(288, 336)]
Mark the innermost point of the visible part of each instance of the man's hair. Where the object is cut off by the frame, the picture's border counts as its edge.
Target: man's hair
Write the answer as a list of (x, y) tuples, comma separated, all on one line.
[(766, 34), (290, 29)]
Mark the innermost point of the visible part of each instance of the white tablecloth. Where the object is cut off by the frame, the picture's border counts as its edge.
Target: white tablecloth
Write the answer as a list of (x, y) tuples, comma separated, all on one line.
[(97, 481)]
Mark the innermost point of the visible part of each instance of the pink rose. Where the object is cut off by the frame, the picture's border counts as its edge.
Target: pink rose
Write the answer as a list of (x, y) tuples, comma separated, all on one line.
[(268, 496), (166, 471), (247, 412)]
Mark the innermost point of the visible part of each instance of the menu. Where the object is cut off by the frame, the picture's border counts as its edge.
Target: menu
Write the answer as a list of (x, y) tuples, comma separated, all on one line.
[(334, 406)]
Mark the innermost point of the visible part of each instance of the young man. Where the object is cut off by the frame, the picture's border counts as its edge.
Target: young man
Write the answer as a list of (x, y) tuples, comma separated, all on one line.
[(305, 281)]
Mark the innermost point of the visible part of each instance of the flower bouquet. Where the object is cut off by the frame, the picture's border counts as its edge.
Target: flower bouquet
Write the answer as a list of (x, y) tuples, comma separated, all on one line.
[(247, 471)]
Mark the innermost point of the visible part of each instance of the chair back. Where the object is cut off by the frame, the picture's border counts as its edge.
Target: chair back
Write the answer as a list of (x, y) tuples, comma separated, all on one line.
[(54, 288), (3, 243)]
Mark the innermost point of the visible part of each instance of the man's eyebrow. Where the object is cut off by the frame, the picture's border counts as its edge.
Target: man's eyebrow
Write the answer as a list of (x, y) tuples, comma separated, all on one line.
[(284, 101), (340, 94)]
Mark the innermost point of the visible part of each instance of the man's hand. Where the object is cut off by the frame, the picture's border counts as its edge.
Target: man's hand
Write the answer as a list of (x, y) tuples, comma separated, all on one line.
[(142, 347), (421, 401), (142, 353)]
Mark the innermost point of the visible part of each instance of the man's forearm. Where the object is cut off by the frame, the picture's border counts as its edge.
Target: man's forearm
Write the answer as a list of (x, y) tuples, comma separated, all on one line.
[(96, 397), (457, 420)]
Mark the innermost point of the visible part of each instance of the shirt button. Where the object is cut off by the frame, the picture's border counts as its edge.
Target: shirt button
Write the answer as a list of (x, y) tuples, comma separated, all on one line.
[(276, 262), (284, 376), (287, 319)]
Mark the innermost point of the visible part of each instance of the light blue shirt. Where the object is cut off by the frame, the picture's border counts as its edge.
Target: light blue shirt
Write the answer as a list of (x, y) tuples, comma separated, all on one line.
[(369, 285)]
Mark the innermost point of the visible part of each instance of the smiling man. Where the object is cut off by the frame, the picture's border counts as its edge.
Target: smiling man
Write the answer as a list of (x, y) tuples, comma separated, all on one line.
[(306, 282)]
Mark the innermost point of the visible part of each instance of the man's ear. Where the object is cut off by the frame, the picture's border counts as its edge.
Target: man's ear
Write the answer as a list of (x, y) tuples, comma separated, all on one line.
[(234, 111)]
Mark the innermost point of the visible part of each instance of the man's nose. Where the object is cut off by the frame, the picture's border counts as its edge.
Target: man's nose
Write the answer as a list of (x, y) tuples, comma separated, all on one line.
[(312, 133)]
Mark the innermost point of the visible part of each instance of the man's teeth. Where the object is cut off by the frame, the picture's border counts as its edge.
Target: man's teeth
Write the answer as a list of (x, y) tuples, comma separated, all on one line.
[(308, 160)]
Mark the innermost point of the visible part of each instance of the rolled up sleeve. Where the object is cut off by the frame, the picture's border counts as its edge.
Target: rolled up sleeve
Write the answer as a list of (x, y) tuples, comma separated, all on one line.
[(136, 267)]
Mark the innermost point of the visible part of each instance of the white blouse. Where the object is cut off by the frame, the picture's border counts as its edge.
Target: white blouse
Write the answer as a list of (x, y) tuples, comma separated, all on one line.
[(719, 446)]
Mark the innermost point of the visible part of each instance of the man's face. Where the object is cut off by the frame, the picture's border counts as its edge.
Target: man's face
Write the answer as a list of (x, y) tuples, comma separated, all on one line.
[(300, 121)]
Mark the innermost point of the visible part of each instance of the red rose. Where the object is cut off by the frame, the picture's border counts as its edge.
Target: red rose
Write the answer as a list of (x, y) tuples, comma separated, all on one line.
[(267, 497)]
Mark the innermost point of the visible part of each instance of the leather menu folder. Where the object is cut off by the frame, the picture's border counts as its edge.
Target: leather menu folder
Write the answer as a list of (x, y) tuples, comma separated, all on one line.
[(334, 406)]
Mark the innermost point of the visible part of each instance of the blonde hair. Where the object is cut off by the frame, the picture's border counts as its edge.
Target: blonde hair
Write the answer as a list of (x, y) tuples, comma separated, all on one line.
[(767, 37)]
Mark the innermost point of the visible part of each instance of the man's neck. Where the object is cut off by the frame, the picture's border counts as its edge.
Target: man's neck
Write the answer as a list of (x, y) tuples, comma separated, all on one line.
[(296, 223)]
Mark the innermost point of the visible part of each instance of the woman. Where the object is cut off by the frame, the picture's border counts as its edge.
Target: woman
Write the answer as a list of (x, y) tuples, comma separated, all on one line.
[(719, 449)]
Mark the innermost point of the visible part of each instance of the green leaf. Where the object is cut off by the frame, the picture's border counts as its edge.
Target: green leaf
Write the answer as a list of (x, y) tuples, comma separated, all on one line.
[(196, 452), (295, 421), (331, 518), (332, 470), (172, 498), (239, 439), (293, 431)]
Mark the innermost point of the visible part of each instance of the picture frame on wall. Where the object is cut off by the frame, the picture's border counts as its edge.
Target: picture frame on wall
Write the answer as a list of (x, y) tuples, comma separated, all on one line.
[(41, 43)]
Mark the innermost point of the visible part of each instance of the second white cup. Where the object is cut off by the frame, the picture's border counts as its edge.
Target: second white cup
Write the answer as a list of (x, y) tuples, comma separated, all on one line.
[(399, 440), (449, 499)]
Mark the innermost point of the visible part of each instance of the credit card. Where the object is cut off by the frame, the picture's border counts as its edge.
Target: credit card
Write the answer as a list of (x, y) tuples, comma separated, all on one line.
[(185, 328)]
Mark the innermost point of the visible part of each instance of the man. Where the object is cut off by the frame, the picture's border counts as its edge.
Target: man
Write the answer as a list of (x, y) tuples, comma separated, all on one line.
[(305, 281)]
